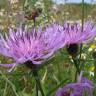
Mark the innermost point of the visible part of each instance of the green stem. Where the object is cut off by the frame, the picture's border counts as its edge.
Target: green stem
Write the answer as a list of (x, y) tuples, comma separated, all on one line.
[(77, 68), (35, 74), (82, 14), (76, 76), (36, 90), (76, 65), (82, 21), (82, 24)]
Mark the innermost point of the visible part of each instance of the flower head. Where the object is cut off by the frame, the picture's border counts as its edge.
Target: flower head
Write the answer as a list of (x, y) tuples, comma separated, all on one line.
[(34, 46), (75, 35), (83, 86)]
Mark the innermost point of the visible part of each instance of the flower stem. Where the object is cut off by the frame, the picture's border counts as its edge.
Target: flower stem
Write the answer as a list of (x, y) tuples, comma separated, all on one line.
[(76, 65), (36, 90), (82, 22), (77, 68), (38, 84), (82, 14)]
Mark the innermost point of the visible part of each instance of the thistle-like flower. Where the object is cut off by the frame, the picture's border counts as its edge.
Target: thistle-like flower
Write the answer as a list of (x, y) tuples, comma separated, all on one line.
[(31, 47), (75, 34), (82, 87)]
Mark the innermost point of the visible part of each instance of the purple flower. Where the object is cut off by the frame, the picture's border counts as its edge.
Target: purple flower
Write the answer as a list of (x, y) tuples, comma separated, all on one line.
[(54, 37), (75, 35), (77, 89), (35, 46)]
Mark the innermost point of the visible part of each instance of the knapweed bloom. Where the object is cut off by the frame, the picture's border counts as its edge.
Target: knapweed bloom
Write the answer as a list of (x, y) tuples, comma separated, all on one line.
[(82, 87), (75, 34), (31, 47), (53, 36)]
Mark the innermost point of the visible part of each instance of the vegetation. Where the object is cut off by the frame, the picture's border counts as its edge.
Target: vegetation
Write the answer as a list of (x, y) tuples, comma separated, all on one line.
[(58, 71)]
